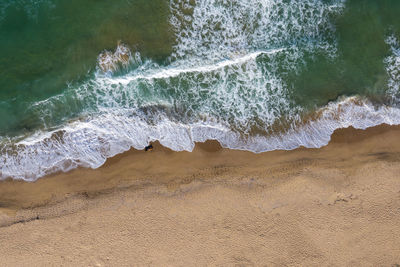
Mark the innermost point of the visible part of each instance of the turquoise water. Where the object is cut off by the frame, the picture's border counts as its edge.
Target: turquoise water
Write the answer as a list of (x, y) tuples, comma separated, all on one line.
[(47, 44), (81, 81)]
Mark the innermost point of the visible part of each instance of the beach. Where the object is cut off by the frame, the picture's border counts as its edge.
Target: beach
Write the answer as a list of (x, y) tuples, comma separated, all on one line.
[(274, 127), (334, 206)]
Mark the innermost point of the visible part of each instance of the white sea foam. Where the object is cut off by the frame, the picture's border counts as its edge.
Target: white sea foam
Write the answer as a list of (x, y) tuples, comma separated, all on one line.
[(392, 63), (89, 143), (174, 71), (109, 62), (216, 28), (224, 81)]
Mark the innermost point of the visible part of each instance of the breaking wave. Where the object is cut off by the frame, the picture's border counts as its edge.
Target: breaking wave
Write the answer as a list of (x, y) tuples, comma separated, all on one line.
[(225, 81)]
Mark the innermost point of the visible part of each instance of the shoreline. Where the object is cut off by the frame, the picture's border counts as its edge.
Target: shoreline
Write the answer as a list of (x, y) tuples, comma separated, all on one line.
[(105, 176), (342, 179)]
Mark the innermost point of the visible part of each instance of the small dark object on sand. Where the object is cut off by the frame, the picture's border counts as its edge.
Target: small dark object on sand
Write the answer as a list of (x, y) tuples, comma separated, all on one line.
[(148, 148)]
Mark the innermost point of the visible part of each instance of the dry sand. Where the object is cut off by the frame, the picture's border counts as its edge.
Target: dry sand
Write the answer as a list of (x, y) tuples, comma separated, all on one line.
[(334, 206)]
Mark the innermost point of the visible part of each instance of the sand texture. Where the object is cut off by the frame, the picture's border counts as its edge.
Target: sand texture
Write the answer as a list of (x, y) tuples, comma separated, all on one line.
[(334, 206)]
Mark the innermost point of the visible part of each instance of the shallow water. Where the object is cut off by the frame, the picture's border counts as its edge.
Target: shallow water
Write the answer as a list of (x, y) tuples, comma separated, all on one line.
[(256, 75)]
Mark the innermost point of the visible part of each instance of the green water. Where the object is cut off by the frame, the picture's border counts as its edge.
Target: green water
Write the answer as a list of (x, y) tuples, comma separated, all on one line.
[(257, 75), (47, 44), (359, 68)]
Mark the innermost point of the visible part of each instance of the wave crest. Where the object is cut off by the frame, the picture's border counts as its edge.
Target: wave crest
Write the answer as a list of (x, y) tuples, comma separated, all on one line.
[(225, 82), (88, 143)]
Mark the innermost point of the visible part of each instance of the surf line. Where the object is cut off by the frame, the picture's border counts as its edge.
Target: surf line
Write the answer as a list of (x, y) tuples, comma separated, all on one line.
[(174, 72)]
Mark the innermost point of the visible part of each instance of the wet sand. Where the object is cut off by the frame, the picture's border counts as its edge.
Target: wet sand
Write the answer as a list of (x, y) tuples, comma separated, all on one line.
[(334, 206)]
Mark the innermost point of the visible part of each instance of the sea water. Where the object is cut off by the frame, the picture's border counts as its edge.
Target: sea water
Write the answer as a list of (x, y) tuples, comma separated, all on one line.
[(81, 81)]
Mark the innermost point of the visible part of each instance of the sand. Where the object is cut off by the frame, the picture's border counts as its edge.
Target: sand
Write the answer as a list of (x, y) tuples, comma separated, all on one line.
[(334, 206)]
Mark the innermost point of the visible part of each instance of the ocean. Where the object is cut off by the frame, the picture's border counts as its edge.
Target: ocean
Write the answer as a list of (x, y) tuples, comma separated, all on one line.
[(82, 81)]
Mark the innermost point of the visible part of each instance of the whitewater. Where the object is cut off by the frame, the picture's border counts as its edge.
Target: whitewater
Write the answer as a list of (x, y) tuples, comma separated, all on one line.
[(224, 81)]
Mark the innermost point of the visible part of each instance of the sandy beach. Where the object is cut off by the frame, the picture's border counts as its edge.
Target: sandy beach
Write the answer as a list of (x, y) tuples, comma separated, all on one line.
[(87, 86), (334, 206)]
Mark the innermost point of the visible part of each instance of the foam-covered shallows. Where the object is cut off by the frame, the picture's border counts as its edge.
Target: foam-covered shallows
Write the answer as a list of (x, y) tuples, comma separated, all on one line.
[(224, 81)]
